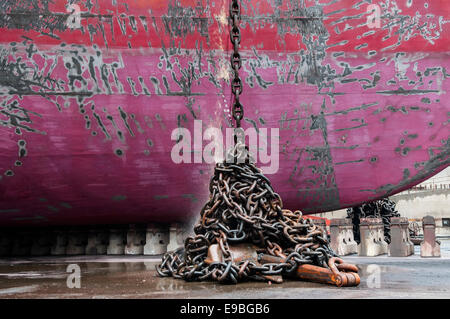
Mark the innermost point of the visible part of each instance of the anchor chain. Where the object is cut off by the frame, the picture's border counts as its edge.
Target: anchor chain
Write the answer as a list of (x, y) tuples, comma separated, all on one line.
[(245, 215), (243, 208), (383, 208), (236, 61)]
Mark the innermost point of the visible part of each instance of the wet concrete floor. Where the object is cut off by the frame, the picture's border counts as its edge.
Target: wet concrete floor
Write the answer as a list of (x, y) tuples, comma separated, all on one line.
[(135, 277)]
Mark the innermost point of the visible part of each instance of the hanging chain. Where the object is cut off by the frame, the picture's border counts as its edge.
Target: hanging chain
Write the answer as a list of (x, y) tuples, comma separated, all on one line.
[(236, 61), (383, 208)]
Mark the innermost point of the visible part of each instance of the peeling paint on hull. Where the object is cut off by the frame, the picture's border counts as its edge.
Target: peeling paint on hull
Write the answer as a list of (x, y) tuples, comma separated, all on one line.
[(86, 113)]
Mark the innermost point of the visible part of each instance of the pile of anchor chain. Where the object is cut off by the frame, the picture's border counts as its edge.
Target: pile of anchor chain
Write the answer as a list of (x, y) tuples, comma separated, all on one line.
[(243, 208), (383, 208)]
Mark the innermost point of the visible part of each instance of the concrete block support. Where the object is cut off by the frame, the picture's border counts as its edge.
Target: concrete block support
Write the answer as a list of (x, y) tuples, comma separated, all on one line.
[(372, 238), (59, 243), (97, 242), (429, 247), (22, 244), (117, 242), (135, 241), (176, 237), (41, 245), (156, 240), (76, 242), (401, 245), (342, 240)]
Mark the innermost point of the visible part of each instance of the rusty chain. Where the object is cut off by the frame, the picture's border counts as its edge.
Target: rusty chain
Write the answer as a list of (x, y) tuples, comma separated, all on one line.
[(383, 208), (236, 61), (243, 208)]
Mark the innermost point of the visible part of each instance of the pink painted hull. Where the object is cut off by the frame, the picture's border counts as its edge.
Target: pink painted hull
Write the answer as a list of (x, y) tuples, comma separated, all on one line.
[(86, 115)]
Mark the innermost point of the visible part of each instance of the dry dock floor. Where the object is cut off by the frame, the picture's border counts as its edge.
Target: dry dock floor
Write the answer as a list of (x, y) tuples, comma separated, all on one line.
[(135, 277)]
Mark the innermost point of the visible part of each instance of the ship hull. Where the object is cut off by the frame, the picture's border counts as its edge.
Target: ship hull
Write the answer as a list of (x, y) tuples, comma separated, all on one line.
[(88, 111)]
